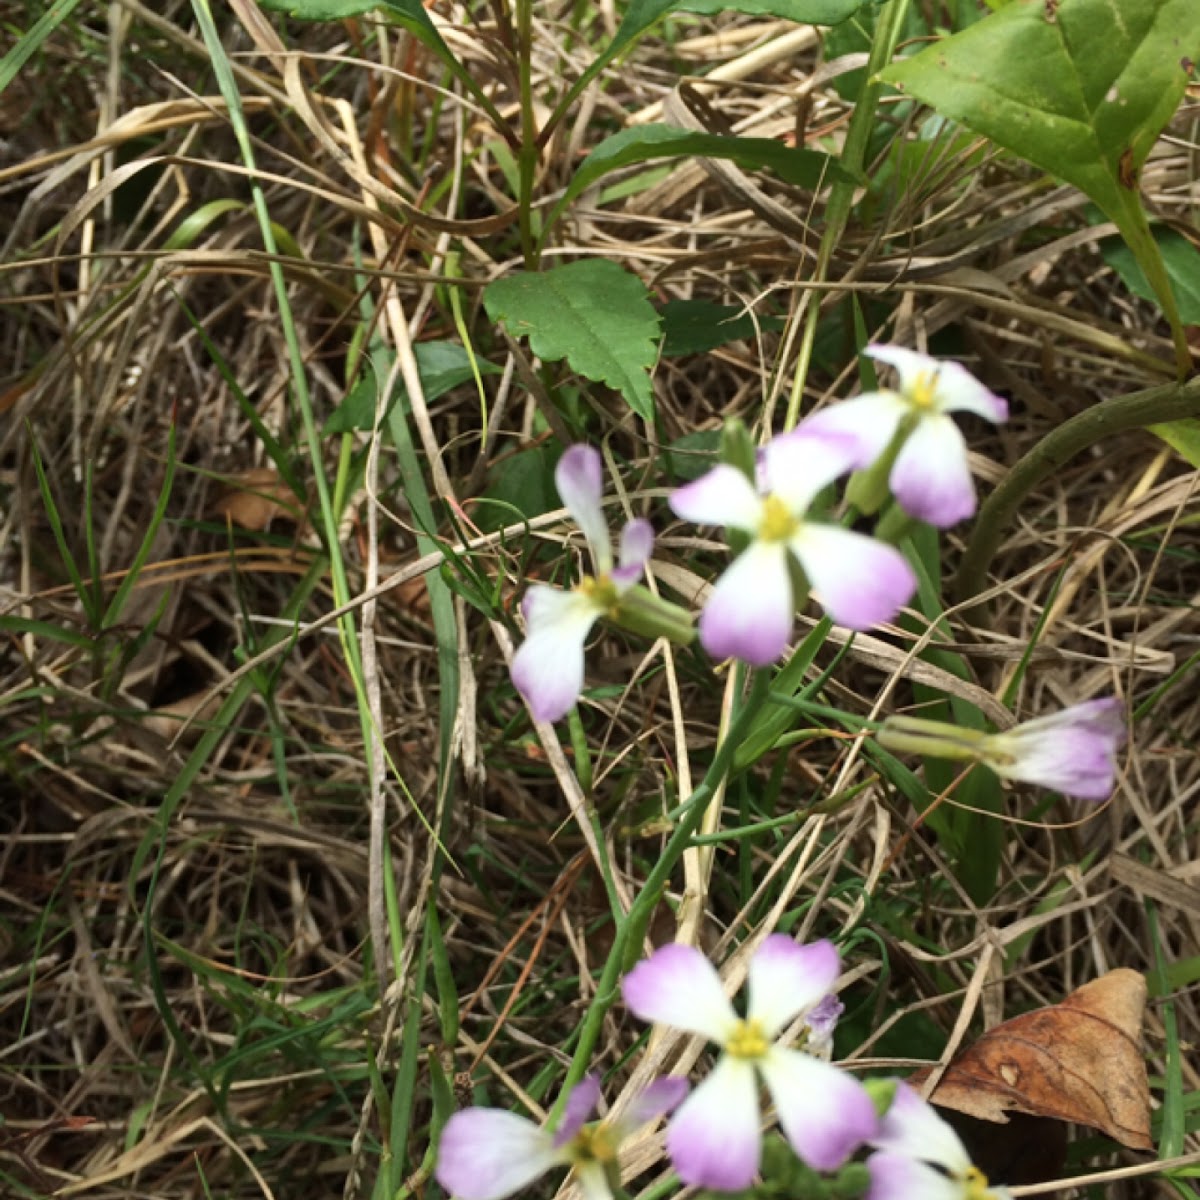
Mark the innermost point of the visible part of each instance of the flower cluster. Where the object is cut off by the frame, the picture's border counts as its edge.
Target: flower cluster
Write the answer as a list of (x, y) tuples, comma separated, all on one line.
[(905, 433), (714, 1137), (899, 440)]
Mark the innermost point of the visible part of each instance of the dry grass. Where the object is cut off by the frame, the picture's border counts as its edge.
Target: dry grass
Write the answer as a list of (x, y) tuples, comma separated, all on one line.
[(193, 1002)]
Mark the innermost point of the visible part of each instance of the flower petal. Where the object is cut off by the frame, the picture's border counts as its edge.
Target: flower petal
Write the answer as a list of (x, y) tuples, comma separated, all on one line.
[(824, 1113), (797, 465), (870, 420), (897, 1177), (822, 1021), (861, 582), (593, 1182), (637, 544), (577, 1111), (931, 478), (955, 389), (579, 478), (678, 986), (787, 977), (715, 1137), (724, 496), (911, 1126), (660, 1096), (1072, 752), (489, 1153), (749, 614), (548, 668)]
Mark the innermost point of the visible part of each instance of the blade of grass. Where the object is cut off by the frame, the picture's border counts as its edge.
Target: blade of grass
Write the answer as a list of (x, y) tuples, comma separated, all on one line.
[(27, 46), (128, 582), (329, 517)]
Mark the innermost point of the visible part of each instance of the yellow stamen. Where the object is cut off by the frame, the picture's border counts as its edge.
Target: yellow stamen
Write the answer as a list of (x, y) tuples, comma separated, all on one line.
[(593, 1143), (777, 523), (975, 1185), (923, 392), (602, 592), (747, 1041)]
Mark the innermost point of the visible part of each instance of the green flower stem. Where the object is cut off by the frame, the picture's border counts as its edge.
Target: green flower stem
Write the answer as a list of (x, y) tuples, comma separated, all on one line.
[(1135, 229), (895, 525), (1119, 414), (841, 196), (639, 912), (937, 739)]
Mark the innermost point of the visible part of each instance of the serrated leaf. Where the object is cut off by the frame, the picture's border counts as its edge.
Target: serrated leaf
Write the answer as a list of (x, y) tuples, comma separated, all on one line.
[(645, 143), (1080, 88), (592, 313), (1182, 261), (696, 326)]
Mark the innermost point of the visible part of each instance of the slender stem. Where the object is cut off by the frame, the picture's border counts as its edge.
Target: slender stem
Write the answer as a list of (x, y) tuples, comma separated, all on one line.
[(1135, 229), (527, 155), (841, 196), (648, 897), (1119, 414)]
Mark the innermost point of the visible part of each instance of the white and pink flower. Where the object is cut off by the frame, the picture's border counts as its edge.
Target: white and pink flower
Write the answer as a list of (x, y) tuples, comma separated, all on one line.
[(1073, 752), (715, 1137), (930, 477), (920, 1157), (548, 668), (860, 581), (490, 1153)]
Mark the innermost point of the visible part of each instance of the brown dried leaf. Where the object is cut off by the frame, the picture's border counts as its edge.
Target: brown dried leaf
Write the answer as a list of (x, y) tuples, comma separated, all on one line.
[(256, 497), (1080, 1061)]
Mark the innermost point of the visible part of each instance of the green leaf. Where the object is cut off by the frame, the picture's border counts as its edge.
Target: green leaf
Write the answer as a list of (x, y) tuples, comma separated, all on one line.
[(644, 143), (520, 485), (697, 326), (1082, 93), (1182, 436), (1182, 261), (592, 313), (441, 365), (804, 12), (1080, 88), (320, 10)]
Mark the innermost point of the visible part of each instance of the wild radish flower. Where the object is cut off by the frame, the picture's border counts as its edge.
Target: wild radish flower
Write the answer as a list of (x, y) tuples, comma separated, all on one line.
[(1072, 752), (489, 1153), (928, 473), (822, 1020), (860, 581), (715, 1137), (548, 668), (920, 1157)]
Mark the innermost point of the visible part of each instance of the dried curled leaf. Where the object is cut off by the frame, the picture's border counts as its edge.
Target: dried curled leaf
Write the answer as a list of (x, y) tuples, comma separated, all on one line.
[(1080, 1061), (257, 497)]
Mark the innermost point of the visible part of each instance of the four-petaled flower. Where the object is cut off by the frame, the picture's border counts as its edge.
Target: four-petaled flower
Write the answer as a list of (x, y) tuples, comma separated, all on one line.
[(1073, 752), (489, 1153), (860, 581), (715, 1137), (920, 1157), (548, 668), (930, 478)]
